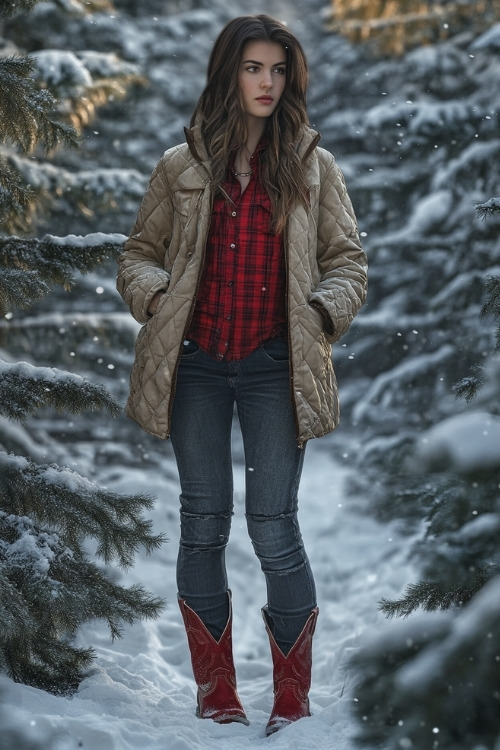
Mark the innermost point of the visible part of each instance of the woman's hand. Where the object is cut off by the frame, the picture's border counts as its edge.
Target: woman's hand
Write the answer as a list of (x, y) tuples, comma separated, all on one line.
[(153, 305)]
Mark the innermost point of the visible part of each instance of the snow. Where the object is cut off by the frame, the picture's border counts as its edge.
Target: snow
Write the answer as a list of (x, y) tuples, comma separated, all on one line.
[(59, 68), (490, 38), (380, 390), (430, 212), (98, 182), (94, 239), (30, 372), (31, 550), (491, 206), (463, 443), (140, 694)]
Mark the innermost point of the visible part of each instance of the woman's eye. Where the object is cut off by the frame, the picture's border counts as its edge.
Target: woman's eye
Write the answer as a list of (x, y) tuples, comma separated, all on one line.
[(281, 71)]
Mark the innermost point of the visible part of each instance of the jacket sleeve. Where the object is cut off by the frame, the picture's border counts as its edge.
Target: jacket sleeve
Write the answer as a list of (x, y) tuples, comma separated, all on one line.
[(341, 261), (141, 271)]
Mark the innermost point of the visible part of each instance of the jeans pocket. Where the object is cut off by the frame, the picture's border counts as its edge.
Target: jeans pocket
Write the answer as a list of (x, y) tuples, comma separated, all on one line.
[(189, 348), (276, 350)]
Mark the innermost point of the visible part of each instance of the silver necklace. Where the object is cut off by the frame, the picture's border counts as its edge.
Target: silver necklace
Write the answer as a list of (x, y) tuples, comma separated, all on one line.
[(242, 174)]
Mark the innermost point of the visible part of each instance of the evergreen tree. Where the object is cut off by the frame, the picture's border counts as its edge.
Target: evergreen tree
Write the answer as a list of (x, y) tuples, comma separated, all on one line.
[(57, 93), (48, 584), (418, 139), (438, 682)]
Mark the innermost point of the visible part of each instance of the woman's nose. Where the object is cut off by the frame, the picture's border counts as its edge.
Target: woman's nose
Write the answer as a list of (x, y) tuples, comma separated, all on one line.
[(266, 81)]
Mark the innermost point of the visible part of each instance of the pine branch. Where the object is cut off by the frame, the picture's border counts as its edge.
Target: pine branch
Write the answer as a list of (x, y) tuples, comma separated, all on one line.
[(9, 8), (17, 201), (84, 81), (487, 209), (14, 195), (25, 388), (56, 590), (15, 618), (77, 509), (46, 663), (25, 111), (467, 387), (26, 121), (57, 258), (492, 304), (432, 596), (83, 107), (20, 289)]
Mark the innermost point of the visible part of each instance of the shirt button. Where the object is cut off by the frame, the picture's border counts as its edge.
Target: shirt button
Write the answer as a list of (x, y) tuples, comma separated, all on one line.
[(233, 213), (228, 317), (230, 283), (232, 245)]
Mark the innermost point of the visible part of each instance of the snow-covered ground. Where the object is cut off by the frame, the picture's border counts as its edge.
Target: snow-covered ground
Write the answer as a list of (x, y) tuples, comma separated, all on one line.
[(141, 694)]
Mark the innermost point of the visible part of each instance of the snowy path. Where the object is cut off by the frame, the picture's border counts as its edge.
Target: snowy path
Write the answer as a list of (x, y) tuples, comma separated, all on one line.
[(141, 694)]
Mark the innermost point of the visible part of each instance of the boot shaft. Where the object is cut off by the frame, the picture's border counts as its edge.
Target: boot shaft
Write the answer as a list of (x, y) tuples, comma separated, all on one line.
[(213, 669), (291, 676)]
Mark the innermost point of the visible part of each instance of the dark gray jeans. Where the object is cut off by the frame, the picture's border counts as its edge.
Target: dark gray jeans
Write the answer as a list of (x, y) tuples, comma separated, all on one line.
[(207, 390)]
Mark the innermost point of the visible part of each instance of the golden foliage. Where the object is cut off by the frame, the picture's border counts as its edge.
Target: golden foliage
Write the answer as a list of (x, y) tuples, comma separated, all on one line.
[(81, 110), (390, 27)]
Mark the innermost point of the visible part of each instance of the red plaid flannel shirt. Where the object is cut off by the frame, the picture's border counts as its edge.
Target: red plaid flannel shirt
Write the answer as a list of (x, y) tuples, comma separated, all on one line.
[(241, 297)]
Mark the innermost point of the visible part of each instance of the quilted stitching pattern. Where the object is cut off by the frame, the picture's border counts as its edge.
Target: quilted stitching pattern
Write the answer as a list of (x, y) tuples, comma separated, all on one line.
[(165, 251)]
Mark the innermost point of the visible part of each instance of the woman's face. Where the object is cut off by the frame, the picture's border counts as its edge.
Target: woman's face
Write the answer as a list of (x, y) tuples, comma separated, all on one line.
[(262, 77)]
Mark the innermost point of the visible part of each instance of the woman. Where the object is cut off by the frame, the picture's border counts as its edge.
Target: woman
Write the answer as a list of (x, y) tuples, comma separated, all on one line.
[(244, 265)]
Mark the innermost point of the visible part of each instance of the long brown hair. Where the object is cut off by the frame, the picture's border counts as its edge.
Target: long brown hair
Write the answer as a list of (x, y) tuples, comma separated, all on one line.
[(222, 119)]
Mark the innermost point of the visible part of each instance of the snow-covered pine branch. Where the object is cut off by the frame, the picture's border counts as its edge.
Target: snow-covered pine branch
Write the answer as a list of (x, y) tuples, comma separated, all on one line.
[(24, 389), (50, 591), (20, 288), (402, 700), (14, 196), (84, 81), (421, 123), (26, 121), (432, 596), (57, 258), (25, 111), (489, 207), (81, 191), (77, 508)]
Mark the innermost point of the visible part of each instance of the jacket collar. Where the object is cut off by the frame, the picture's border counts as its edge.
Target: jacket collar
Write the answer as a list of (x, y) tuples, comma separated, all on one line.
[(196, 145), (306, 144)]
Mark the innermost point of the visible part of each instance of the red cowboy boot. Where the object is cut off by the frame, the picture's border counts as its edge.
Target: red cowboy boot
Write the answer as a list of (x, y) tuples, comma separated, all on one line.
[(213, 669), (291, 676)]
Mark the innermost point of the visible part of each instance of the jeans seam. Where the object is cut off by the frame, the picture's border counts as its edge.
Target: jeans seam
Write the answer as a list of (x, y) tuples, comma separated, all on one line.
[(224, 515), (278, 517)]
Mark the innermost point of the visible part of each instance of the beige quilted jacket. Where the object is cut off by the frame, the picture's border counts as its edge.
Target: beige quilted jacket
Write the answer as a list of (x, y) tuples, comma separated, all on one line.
[(165, 251)]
